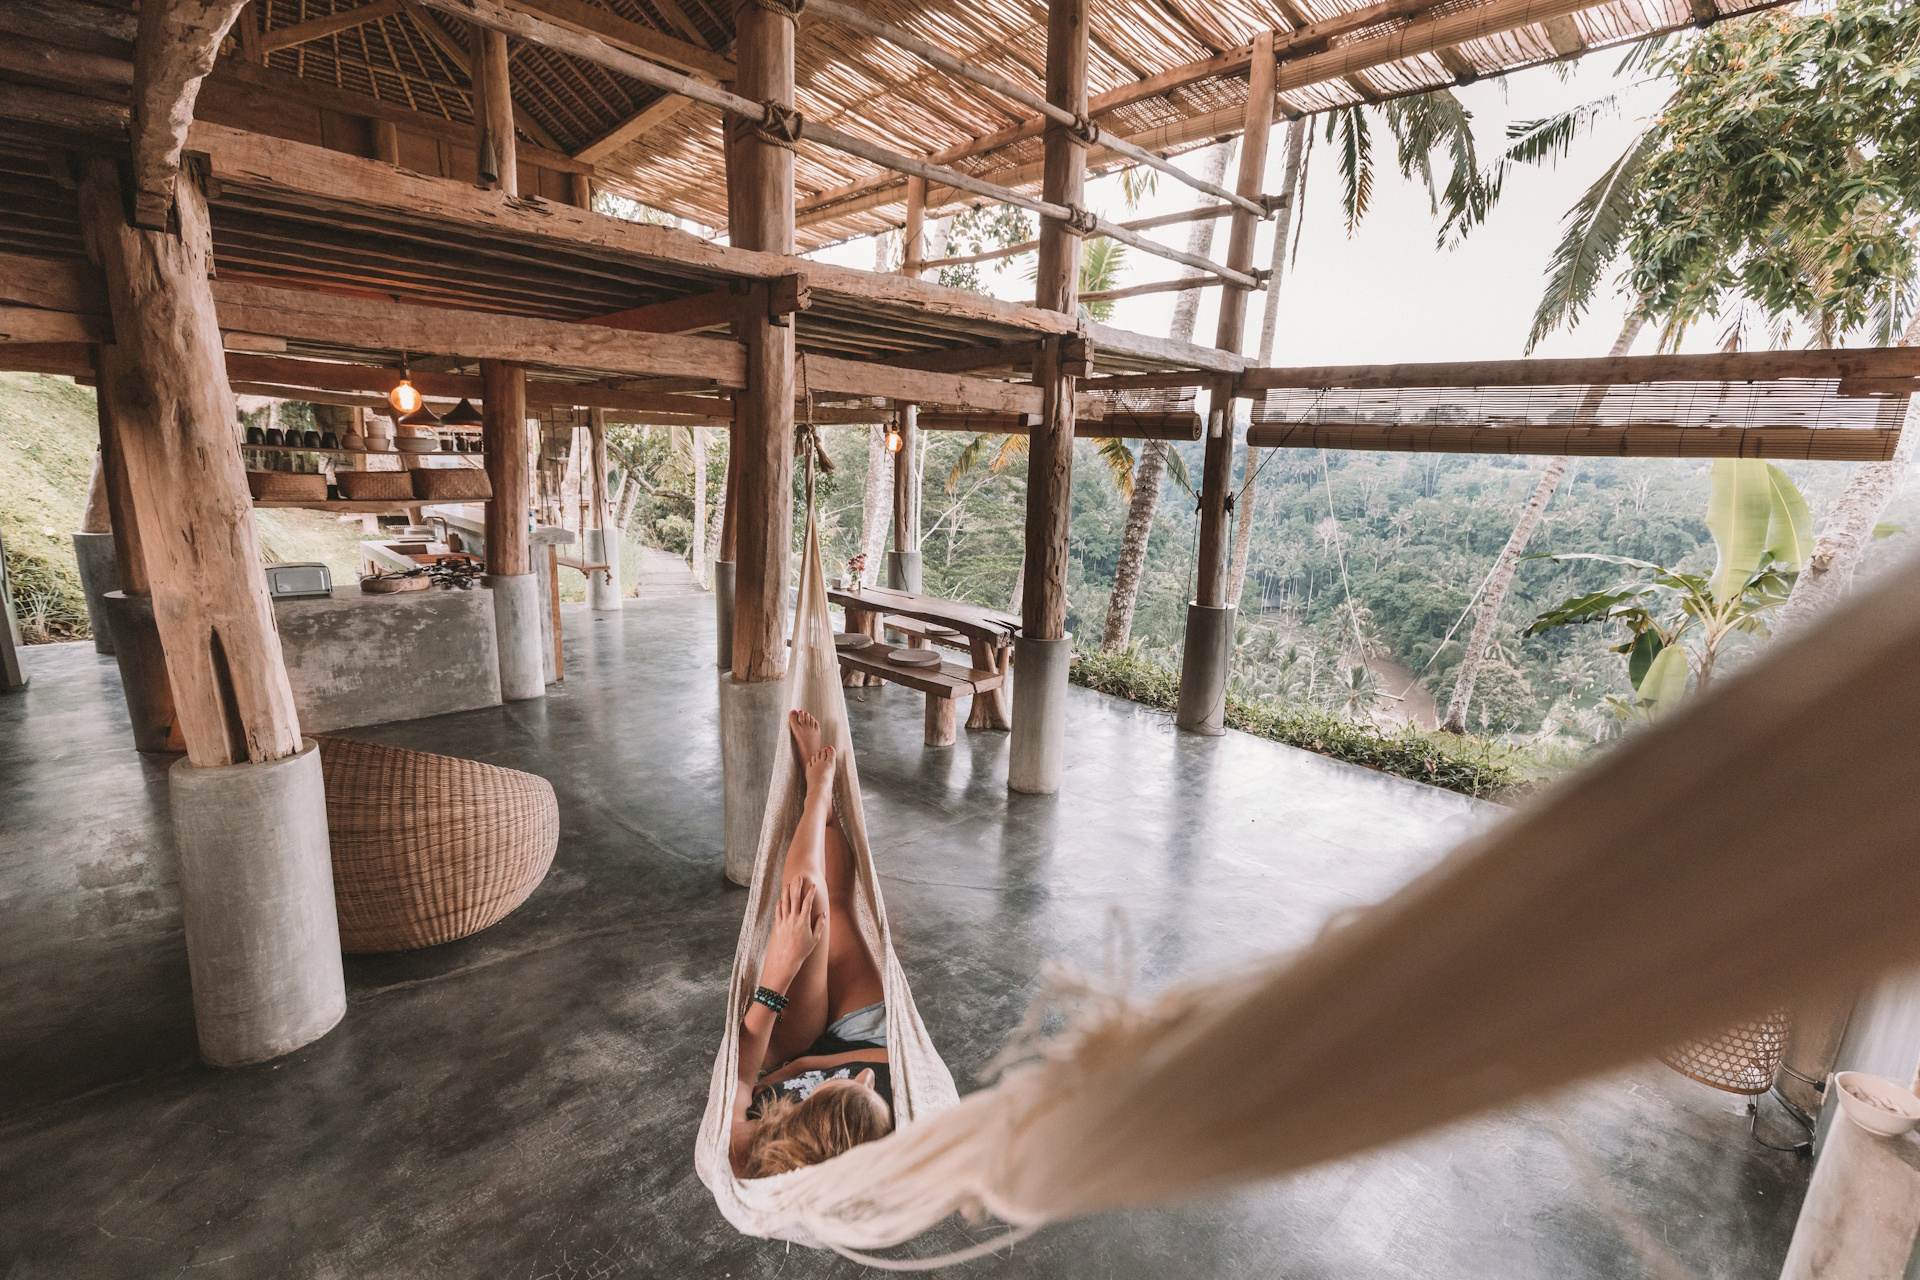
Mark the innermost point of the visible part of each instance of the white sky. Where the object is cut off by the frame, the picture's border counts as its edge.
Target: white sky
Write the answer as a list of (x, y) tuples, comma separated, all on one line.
[(1388, 294)]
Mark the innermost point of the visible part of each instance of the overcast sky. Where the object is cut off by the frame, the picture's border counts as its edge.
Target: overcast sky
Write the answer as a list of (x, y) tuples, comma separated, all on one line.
[(1388, 294)]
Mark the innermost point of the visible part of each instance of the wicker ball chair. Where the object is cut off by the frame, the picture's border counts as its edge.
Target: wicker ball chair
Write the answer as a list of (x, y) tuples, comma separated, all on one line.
[(1742, 1059), (428, 848)]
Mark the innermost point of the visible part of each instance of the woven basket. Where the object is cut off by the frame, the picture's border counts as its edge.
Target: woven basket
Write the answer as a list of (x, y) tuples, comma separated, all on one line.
[(286, 486), (427, 848), (1741, 1059), (375, 486), (445, 484)]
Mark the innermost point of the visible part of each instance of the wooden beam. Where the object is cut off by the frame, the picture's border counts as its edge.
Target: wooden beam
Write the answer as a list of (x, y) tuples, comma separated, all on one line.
[(330, 180), (866, 378), (1735, 366), (289, 377), (174, 415), (72, 24), (1818, 444), (1183, 284), (678, 315), (322, 317), (70, 113), (62, 359), (174, 50), (277, 38), (631, 37), (634, 127), (57, 284), (1015, 355), (1176, 425), (96, 73), (36, 327)]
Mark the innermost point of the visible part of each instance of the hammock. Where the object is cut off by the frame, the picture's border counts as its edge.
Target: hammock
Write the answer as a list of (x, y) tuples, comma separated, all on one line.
[(921, 1083), (1754, 848)]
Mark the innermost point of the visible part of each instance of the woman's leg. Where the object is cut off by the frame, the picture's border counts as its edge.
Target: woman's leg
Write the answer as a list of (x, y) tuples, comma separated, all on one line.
[(805, 1016), (853, 979)]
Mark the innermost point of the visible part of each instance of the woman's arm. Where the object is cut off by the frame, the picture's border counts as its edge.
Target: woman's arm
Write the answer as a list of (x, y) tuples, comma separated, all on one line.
[(799, 925)]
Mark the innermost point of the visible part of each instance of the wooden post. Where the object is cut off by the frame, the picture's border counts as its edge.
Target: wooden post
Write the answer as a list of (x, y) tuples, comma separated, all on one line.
[(120, 508), (495, 89), (504, 431), (1057, 288), (762, 445), (904, 569), (174, 419), (582, 190), (1217, 480), (386, 142)]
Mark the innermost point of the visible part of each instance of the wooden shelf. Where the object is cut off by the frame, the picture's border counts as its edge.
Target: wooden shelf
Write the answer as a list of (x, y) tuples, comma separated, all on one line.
[(363, 453), (345, 506)]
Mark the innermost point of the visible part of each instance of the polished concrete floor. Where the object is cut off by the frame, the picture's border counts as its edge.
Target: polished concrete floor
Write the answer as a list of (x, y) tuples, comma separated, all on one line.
[(523, 1103)]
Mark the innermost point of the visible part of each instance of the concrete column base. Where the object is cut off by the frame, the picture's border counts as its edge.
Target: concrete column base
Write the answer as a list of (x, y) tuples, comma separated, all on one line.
[(1038, 750), (723, 614), (1203, 669), (99, 574), (603, 588), (903, 571), (256, 887), (750, 727), (1862, 1210), (144, 681), (518, 604)]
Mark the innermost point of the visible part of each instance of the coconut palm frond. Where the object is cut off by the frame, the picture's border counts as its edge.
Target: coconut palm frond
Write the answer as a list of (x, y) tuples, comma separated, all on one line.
[(1542, 141), (1638, 59), (1119, 459), (970, 457), (1595, 227), (1101, 262), (1348, 127), (1011, 448), (1424, 123), (1177, 468), (1137, 183)]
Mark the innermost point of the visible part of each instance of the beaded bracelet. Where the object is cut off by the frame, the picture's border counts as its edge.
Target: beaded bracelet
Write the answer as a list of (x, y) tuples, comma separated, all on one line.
[(772, 999)]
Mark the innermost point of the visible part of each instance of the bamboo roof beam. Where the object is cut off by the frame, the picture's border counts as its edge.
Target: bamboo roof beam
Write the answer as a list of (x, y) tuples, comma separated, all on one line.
[(276, 38), (1819, 444), (1204, 213), (511, 22), (1719, 366)]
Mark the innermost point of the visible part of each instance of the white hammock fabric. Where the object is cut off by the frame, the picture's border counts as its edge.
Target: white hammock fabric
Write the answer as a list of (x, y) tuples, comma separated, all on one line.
[(1755, 847), (922, 1084)]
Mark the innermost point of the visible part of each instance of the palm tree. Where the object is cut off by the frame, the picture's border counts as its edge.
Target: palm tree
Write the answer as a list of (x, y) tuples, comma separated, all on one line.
[(1151, 465)]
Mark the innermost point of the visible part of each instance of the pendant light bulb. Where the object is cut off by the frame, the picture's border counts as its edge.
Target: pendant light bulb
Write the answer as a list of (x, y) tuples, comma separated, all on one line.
[(403, 397), (893, 442)]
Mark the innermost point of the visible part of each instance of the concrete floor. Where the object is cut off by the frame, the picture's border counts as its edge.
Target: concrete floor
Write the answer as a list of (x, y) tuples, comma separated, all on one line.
[(523, 1103)]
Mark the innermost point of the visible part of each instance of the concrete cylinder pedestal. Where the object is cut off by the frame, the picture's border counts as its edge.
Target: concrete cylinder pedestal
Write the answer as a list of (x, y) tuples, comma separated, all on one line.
[(1203, 669), (603, 587), (903, 571), (256, 888), (99, 574), (750, 728), (517, 605), (144, 682), (1862, 1210), (723, 614), (1038, 749)]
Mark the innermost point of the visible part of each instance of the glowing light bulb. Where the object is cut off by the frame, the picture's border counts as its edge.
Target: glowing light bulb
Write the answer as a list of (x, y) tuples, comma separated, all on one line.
[(404, 397), (893, 442)]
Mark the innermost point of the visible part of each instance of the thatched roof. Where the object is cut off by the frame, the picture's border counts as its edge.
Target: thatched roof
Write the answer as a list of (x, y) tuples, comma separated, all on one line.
[(411, 56)]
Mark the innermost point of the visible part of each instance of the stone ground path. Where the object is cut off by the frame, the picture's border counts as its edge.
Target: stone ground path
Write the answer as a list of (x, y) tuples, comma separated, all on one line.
[(663, 573)]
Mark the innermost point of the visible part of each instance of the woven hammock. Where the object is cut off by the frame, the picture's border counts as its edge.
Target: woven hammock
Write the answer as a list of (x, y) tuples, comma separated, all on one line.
[(1637, 904)]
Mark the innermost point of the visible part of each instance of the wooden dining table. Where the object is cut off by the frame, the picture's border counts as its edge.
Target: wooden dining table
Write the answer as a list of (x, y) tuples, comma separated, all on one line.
[(986, 634)]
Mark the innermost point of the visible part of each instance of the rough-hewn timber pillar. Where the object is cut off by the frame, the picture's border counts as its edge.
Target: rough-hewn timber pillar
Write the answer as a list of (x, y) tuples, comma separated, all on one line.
[(601, 544), (760, 501), (1210, 616), (249, 806), (517, 599), (1042, 652), (723, 560), (903, 562), (494, 116), (93, 555)]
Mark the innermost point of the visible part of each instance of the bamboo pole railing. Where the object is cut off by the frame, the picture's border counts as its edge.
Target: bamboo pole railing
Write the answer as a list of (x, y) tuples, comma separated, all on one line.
[(849, 16), (1180, 285), (1730, 366), (1807, 444), (1202, 213), (486, 13)]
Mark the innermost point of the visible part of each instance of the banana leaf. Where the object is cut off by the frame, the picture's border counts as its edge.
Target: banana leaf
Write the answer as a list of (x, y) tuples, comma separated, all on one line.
[(1739, 508), (1789, 524), (1665, 681)]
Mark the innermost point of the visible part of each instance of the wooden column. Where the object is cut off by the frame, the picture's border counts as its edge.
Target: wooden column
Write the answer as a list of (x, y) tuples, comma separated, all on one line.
[(729, 505), (761, 501), (582, 190), (1043, 606), (1210, 585), (504, 432), (494, 88), (174, 418), (120, 508), (906, 525), (597, 459), (386, 142)]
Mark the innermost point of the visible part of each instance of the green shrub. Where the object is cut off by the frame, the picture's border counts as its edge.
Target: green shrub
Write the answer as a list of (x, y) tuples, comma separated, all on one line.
[(46, 598), (1457, 764)]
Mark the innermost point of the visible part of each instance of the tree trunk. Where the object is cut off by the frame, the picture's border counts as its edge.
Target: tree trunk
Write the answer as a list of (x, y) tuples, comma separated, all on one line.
[(1502, 576), (1836, 553), (697, 544), (1292, 186), (1151, 465)]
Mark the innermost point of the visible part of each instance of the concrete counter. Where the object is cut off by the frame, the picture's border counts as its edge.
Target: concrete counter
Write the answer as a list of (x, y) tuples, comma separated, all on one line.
[(359, 659), (470, 523)]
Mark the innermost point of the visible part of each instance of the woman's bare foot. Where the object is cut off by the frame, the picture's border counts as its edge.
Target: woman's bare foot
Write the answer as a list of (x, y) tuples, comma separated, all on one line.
[(806, 732), (820, 775)]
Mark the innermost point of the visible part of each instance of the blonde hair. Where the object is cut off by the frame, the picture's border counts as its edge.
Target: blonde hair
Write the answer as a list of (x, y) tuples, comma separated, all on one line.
[(794, 1134)]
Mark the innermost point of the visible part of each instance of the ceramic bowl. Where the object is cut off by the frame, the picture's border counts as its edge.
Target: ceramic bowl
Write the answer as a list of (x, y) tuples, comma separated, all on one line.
[(415, 444), (379, 444), (1877, 1105)]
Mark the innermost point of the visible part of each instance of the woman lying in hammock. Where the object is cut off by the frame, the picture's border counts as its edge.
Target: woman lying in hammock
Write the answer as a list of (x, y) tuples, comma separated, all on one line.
[(813, 1075)]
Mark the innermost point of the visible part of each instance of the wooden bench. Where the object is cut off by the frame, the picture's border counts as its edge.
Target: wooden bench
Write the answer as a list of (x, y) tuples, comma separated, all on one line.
[(942, 685)]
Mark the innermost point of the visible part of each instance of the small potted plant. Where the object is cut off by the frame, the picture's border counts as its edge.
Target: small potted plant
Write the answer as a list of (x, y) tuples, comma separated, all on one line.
[(856, 573)]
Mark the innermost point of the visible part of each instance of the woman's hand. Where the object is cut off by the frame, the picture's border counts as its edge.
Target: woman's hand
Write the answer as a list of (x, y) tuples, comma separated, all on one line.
[(799, 925)]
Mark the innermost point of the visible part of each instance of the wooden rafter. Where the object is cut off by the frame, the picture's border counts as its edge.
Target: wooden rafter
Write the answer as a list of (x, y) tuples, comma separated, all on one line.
[(277, 38)]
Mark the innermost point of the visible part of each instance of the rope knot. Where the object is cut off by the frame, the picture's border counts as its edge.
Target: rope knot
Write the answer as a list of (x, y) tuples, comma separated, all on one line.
[(1085, 129), (788, 9), (779, 126), (1083, 221)]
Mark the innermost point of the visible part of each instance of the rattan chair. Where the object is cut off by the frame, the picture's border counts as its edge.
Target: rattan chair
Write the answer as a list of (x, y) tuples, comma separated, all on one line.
[(1744, 1059), (428, 848)]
